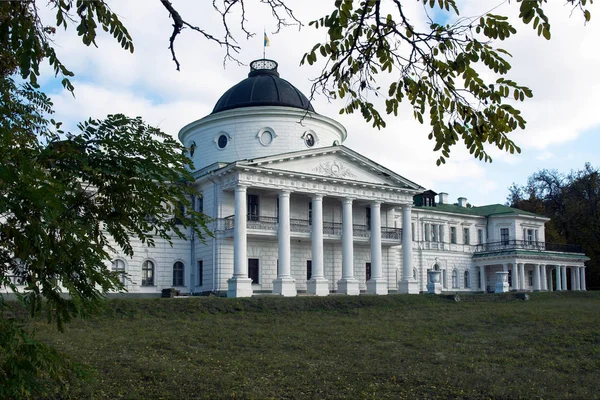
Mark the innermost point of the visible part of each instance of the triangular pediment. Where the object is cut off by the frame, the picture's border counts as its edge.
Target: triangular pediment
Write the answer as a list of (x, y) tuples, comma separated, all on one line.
[(336, 162)]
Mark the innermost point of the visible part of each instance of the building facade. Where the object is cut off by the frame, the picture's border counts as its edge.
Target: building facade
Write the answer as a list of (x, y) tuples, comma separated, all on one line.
[(295, 211)]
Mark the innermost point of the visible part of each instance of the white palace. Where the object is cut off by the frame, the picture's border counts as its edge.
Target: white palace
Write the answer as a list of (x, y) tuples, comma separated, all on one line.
[(295, 211)]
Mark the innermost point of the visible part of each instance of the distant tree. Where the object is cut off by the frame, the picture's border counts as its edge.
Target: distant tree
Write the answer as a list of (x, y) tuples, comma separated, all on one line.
[(572, 201)]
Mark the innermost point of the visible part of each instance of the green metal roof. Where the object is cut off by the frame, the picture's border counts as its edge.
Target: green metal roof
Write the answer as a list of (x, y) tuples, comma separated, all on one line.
[(483, 211), (518, 252)]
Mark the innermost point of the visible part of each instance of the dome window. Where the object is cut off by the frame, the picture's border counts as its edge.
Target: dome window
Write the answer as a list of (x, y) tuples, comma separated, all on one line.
[(192, 149), (222, 140), (310, 138), (266, 136)]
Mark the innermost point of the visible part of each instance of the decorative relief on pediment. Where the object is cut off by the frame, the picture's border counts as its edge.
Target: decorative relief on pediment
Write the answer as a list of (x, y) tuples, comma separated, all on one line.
[(334, 169)]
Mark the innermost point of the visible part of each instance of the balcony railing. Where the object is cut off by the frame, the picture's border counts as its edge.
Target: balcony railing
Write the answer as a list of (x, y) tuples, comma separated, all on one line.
[(527, 245), (304, 226)]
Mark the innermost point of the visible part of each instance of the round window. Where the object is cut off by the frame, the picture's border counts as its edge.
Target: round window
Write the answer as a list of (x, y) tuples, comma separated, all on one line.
[(266, 138), (222, 141), (309, 139)]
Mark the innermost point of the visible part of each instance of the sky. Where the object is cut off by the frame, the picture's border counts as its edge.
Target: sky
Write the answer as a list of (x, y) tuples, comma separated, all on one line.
[(563, 118)]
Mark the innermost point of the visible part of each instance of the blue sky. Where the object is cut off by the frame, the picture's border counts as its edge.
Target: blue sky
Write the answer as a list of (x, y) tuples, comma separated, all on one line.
[(563, 130)]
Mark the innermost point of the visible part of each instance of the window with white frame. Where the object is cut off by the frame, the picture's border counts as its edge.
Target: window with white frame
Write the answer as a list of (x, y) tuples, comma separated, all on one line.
[(504, 235), (455, 279), (118, 266), (453, 234), (467, 279), (466, 236), (147, 273), (200, 272), (479, 236), (178, 273)]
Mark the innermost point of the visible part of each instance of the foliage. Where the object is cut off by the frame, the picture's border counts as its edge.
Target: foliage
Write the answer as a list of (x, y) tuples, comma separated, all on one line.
[(572, 201), (442, 71), (452, 74), (336, 347), (70, 200)]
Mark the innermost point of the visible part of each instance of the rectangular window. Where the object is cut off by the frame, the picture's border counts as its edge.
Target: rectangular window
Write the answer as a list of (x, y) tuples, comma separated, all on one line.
[(200, 272), (441, 228), (368, 271), (435, 232), (479, 236), (310, 213), (253, 207), (308, 269), (427, 232), (530, 236), (368, 218), (253, 269), (530, 277), (181, 214), (504, 235), (201, 204), (479, 278), (453, 234), (466, 236)]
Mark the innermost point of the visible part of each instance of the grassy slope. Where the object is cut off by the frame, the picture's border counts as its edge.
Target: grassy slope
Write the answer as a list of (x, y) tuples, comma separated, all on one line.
[(341, 347)]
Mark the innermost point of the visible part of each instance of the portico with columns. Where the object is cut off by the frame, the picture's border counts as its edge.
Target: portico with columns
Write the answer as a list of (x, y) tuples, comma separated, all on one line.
[(348, 231), (545, 272)]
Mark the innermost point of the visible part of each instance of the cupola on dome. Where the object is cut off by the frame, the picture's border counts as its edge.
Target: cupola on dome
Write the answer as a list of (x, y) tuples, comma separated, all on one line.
[(262, 87)]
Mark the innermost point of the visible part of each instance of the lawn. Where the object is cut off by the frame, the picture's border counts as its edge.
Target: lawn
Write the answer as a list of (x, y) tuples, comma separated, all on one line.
[(397, 346)]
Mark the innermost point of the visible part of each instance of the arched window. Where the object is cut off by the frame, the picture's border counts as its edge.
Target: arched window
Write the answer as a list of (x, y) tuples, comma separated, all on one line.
[(415, 274), (455, 279), (178, 269), (119, 267), (148, 273), (467, 279)]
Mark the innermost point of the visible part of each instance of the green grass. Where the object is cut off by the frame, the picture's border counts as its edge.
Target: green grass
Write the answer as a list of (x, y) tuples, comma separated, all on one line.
[(395, 346)]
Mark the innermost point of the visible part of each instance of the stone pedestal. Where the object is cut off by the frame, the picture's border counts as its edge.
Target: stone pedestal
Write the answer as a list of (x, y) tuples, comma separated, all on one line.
[(285, 286), (239, 287), (408, 287), (501, 282), (317, 286), (434, 285), (348, 286), (377, 286)]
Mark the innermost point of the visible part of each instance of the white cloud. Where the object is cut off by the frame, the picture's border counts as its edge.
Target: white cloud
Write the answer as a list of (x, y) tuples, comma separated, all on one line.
[(561, 72)]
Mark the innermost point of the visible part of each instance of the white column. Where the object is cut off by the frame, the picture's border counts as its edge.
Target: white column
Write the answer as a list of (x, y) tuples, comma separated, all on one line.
[(544, 285), (407, 284), (564, 277), (348, 284), (583, 279), (240, 285), (317, 284), (557, 274), (284, 285), (521, 268), (483, 282), (576, 277), (514, 270), (377, 284), (536, 277)]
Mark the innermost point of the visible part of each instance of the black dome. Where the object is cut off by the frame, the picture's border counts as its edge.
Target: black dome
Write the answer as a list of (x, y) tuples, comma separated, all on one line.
[(263, 87)]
